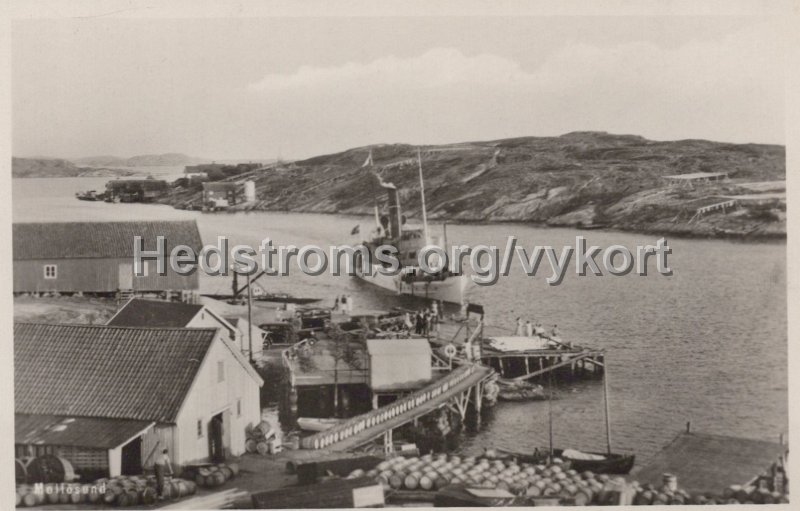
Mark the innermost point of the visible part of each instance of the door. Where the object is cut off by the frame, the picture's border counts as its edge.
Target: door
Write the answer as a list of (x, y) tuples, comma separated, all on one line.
[(125, 280), (216, 449), (132, 457)]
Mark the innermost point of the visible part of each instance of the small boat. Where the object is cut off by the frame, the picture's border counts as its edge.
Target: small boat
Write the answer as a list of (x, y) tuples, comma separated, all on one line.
[(269, 297), (599, 463), (511, 390), (90, 195), (315, 424)]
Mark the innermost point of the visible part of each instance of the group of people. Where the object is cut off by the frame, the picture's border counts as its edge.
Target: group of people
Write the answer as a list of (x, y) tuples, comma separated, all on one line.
[(425, 322), (343, 304), (528, 329)]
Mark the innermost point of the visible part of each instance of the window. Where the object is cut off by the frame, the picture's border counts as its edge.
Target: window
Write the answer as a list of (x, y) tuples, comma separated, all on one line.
[(199, 428), (220, 371), (50, 271), (238, 407)]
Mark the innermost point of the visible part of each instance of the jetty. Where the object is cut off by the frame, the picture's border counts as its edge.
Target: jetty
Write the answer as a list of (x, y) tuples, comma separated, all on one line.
[(454, 390)]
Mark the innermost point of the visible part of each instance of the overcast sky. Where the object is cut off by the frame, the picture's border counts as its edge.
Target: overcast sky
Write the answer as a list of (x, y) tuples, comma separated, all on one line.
[(298, 87)]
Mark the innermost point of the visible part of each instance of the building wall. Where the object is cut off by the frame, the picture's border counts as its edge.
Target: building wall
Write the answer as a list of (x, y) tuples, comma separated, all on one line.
[(208, 397), (156, 439), (94, 276)]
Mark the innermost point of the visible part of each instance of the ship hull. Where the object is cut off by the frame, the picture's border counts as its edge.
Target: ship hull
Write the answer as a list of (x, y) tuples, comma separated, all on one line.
[(449, 290)]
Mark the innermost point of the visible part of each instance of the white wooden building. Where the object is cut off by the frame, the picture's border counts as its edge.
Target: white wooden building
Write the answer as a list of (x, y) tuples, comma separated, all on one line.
[(189, 390)]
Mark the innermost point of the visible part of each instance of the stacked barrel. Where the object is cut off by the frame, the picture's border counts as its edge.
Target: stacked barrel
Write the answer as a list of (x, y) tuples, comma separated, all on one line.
[(122, 491), (216, 475), (435, 472)]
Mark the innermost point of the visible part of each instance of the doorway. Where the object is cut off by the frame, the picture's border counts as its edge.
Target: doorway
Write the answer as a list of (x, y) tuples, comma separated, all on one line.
[(131, 463), (125, 280), (216, 449)]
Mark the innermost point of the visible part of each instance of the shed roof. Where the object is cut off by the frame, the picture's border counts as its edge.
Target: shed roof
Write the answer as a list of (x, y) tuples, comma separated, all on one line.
[(68, 240), (105, 371), (383, 347), (76, 431), (710, 463), (154, 313)]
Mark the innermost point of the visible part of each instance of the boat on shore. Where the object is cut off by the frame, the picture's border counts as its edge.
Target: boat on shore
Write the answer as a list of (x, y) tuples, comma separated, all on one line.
[(598, 463)]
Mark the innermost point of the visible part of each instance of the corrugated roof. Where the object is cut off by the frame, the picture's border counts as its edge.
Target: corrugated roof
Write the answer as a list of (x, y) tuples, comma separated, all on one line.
[(75, 431), (398, 346), (62, 240), (103, 371), (155, 313), (710, 463)]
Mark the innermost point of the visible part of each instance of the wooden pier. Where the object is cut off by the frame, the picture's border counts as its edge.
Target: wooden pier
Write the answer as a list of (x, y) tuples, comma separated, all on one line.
[(455, 390)]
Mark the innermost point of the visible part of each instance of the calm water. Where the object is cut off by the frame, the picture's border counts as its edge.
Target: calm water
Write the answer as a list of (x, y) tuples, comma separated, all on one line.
[(706, 345)]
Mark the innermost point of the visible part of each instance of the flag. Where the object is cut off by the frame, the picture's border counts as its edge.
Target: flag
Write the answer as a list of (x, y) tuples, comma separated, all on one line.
[(355, 230), (368, 162)]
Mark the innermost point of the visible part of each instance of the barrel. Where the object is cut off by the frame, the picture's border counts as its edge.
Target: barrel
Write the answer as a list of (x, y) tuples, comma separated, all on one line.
[(200, 479), (262, 448), (396, 480), (191, 487), (75, 497), (148, 496), (219, 478), (411, 481), (250, 445), (29, 500), (227, 472), (426, 482)]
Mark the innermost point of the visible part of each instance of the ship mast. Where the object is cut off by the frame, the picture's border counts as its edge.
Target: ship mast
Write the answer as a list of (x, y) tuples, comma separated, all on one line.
[(422, 194)]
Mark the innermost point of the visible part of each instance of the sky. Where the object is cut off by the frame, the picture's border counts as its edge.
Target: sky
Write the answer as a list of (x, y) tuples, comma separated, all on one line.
[(299, 87)]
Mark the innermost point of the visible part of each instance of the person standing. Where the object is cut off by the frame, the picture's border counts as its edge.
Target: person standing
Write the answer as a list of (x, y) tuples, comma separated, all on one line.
[(520, 328), (336, 304), (162, 465), (344, 304), (528, 329)]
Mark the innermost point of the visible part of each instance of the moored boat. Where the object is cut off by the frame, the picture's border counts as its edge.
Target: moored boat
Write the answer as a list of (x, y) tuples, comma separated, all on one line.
[(599, 463), (90, 195), (512, 390), (316, 424), (408, 241)]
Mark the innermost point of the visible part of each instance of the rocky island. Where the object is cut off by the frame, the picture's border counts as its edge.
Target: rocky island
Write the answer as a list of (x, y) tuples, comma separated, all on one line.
[(580, 179)]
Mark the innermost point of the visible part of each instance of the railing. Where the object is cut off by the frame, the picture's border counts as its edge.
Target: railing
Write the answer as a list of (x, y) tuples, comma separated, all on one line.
[(356, 425)]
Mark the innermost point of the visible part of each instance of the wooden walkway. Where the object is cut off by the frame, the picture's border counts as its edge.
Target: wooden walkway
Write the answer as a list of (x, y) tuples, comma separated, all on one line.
[(455, 388)]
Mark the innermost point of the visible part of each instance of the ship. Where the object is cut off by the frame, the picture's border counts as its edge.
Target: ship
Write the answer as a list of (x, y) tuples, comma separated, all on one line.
[(392, 229)]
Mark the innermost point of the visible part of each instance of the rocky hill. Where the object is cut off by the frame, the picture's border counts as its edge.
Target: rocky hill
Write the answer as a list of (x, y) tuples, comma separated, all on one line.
[(47, 167), (581, 179)]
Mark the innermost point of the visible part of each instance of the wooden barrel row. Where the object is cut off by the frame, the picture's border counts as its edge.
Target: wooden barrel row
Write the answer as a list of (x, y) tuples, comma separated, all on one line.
[(58, 494), (357, 424), (216, 475)]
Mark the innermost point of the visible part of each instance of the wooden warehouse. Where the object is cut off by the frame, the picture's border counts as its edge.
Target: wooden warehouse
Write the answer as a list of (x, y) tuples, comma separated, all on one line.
[(159, 313), (109, 398), (97, 257)]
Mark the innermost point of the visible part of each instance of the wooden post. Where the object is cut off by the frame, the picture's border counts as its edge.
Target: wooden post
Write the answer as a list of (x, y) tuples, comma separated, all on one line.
[(249, 319), (608, 420)]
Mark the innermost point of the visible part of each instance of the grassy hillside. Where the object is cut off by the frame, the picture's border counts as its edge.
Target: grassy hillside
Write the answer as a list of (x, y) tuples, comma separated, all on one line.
[(582, 179)]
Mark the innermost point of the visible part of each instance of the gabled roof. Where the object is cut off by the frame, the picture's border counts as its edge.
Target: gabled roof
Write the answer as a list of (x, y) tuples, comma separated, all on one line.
[(154, 313), (76, 431), (64, 240), (103, 371)]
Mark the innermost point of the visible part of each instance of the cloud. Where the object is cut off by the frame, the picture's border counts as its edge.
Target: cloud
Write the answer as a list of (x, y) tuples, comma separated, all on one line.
[(729, 88), (439, 67)]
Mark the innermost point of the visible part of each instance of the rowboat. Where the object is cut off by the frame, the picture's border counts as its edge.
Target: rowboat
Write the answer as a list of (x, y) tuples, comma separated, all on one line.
[(511, 390), (599, 463), (315, 424)]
